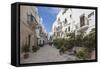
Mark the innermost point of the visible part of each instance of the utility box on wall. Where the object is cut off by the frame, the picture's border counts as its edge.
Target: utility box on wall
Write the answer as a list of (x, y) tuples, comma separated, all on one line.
[(43, 34)]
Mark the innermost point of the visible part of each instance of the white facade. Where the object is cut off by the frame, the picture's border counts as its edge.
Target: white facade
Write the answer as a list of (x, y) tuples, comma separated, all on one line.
[(73, 20), (64, 23), (41, 34), (88, 17)]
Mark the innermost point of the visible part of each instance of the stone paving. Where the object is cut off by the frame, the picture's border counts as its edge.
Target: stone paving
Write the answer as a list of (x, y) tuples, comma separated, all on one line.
[(47, 54)]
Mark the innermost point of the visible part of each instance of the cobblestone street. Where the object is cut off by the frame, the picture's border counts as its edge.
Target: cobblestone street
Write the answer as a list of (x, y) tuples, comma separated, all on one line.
[(47, 54)]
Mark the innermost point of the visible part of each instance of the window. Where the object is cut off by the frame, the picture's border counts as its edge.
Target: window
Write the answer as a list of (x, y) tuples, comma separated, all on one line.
[(66, 30), (69, 28), (57, 34), (30, 18), (82, 20), (76, 27), (65, 20), (70, 15), (58, 19)]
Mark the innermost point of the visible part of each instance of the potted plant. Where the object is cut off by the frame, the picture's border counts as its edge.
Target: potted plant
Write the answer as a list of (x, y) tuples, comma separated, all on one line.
[(35, 48)]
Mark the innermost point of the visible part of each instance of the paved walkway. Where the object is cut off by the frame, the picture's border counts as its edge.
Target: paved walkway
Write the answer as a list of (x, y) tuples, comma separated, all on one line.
[(45, 54), (93, 55)]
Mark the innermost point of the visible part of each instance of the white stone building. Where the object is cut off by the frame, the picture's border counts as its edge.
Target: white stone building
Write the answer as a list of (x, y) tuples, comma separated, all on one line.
[(64, 23), (41, 33), (29, 19), (73, 20), (84, 20), (30, 27)]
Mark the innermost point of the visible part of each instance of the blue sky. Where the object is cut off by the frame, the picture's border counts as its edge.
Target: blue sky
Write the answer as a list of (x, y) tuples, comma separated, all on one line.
[(48, 15)]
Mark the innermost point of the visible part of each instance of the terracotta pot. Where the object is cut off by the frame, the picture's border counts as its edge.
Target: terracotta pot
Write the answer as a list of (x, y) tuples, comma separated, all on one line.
[(26, 55)]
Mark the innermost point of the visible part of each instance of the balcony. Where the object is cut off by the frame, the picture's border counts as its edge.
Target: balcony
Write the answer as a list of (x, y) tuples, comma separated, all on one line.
[(83, 28)]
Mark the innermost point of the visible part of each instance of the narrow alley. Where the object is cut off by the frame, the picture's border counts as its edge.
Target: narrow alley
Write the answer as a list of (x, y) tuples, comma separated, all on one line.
[(47, 53)]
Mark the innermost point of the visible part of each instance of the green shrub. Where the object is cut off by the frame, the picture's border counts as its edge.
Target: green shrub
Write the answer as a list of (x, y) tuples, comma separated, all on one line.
[(35, 48), (79, 40), (89, 41), (70, 41), (58, 43), (83, 54), (65, 43)]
